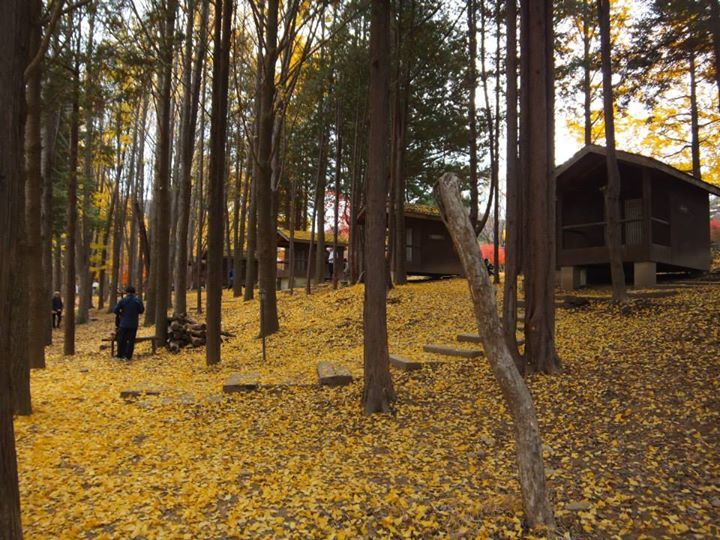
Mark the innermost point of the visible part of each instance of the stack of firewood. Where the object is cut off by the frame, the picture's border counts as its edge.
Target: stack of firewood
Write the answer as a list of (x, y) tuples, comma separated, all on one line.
[(184, 332)]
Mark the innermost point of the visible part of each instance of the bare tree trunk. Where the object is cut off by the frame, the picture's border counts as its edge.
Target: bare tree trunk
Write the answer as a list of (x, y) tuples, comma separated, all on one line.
[(251, 255), (694, 121), (512, 210), (337, 261), (613, 232), (715, 25), (240, 242), (162, 179), (378, 391), (237, 211), (354, 204), (88, 187), (216, 179), (71, 223), (291, 243), (200, 204), (191, 80), (536, 151), (472, 109), (15, 28), (319, 204), (51, 126), (105, 239), (38, 301), (587, 75), (531, 469), (265, 231)]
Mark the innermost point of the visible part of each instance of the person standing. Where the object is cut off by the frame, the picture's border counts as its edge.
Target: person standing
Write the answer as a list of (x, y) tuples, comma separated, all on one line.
[(128, 310), (57, 309)]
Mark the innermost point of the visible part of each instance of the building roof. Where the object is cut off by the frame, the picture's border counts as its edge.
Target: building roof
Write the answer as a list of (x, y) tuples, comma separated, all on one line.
[(422, 210), (305, 237), (639, 160)]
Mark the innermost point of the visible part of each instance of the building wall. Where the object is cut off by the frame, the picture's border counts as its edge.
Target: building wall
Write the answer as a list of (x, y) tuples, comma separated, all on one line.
[(429, 248)]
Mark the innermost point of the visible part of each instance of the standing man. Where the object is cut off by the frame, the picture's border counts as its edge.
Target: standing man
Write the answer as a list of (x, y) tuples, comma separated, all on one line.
[(128, 310), (57, 309)]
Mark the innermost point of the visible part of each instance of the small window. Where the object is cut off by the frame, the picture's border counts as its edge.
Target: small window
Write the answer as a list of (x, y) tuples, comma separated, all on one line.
[(408, 244)]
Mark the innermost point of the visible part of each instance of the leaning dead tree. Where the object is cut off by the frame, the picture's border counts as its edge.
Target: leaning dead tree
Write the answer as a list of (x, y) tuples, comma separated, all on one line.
[(538, 511)]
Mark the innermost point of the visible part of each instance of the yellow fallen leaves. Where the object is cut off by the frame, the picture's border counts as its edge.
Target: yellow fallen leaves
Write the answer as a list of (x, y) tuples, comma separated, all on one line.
[(631, 427)]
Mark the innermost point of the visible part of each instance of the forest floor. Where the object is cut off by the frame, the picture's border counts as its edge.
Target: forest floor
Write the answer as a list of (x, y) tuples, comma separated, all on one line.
[(631, 428)]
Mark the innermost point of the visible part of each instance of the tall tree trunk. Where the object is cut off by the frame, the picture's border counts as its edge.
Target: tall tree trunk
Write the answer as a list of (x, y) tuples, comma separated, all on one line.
[(378, 391), (353, 243), (105, 238), (240, 243), (15, 28), (694, 121), (200, 204), (319, 204), (613, 232), (216, 178), (715, 25), (337, 261), (192, 75), (512, 195), (267, 267), (251, 263), (538, 511), (536, 151), (496, 129), (88, 185), (51, 125), (162, 178), (587, 74), (71, 222), (38, 301), (472, 109)]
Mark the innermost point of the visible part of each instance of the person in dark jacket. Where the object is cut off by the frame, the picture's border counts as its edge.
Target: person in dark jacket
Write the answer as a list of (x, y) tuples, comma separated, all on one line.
[(129, 310), (57, 309)]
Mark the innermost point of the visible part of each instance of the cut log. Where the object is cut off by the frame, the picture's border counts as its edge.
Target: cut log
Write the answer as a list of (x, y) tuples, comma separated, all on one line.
[(241, 382), (404, 364), (450, 351), (330, 374)]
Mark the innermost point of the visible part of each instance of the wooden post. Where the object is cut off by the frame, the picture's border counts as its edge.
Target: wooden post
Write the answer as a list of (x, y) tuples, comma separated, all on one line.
[(538, 511)]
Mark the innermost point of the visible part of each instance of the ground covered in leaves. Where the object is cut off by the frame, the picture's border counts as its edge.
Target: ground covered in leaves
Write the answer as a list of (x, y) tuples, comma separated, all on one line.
[(631, 428)]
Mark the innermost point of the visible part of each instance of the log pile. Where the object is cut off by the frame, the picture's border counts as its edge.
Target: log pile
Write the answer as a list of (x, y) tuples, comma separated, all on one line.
[(184, 332)]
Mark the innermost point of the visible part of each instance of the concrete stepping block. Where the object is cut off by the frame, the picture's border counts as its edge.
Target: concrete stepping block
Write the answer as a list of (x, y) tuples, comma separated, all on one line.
[(330, 374), (469, 338), (404, 364), (241, 382), (138, 392), (451, 351)]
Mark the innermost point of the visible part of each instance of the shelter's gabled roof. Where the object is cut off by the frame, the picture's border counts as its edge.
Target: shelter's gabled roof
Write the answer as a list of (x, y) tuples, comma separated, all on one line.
[(305, 237), (638, 160), (422, 211)]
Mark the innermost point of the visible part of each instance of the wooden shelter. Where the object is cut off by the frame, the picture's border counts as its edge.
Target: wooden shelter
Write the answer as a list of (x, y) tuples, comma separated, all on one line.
[(664, 212), (429, 250), (301, 242)]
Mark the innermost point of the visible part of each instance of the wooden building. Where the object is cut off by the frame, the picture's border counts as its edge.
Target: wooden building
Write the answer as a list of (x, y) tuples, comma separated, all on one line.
[(429, 250), (664, 212), (302, 250)]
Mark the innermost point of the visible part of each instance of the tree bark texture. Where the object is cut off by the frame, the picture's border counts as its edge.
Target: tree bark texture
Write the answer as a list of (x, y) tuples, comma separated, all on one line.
[(162, 178), (536, 505), (15, 27), (267, 266), (537, 136), (378, 391), (613, 231), (38, 309), (216, 179)]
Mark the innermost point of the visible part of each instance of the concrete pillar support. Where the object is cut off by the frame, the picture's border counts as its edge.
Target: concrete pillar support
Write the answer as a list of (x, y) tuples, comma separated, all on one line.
[(645, 275), (570, 277)]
